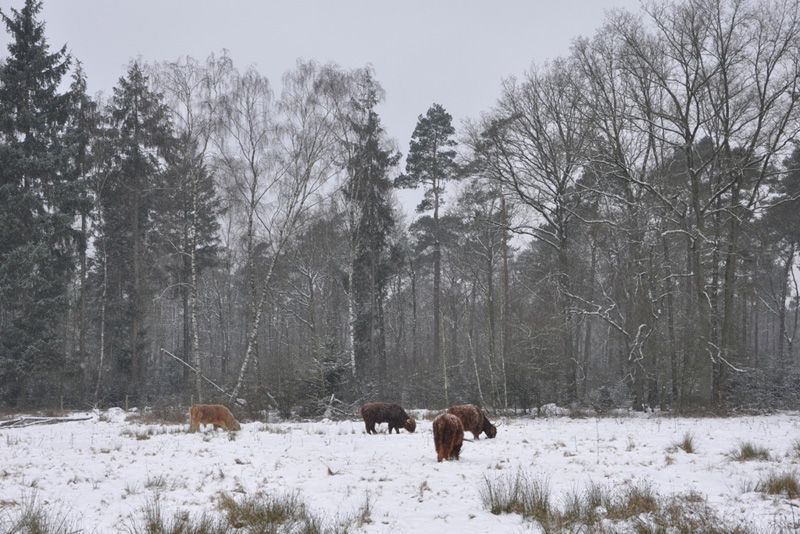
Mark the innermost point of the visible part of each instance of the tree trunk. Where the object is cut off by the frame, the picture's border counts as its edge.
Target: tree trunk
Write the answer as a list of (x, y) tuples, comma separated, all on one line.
[(351, 346), (570, 371), (756, 335), (102, 322), (136, 301), (506, 309), (675, 401), (414, 336), (437, 276), (471, 334), (198, 383), (252, 335), (784, 361), (790, 339), (82, 295), (400, 338), (726, 339), (492, 327), (587, 339), (187, 316)]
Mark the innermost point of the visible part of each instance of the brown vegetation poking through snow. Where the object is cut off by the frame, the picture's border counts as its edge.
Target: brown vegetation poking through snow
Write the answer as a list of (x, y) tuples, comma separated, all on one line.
[(211, 414), (474, 420), (448, 436), (384, 412)]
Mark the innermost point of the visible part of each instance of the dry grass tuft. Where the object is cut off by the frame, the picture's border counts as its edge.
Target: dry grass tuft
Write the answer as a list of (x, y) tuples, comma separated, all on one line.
[(152, 520), (519, 494), (747, 451), (637, 506), (786, 483), (36, 517), (636, 499), (687, 443)]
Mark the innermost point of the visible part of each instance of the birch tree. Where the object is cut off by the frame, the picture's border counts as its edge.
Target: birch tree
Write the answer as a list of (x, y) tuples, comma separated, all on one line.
[(304, 146), (192, 91)]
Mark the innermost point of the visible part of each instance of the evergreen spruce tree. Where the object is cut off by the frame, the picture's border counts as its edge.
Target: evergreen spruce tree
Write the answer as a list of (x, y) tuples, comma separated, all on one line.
[(187, 208), (430, 163), (37, 208), (369, 191), (79, 137), (136, 142)]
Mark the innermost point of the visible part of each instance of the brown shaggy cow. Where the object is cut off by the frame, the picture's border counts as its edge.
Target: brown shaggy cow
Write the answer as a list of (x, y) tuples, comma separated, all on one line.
[(384, 412), (212, 414), (448, 436), (474, 420)]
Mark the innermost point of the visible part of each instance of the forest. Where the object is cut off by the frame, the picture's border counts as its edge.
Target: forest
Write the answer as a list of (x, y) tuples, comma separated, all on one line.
[(619, 230)]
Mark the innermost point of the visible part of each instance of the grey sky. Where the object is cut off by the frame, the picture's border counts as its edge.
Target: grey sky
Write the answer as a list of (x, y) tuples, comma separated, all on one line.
[(455, 52)]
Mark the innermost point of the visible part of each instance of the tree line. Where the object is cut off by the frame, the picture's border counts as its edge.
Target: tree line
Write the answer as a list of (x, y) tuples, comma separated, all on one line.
[(619, 229)]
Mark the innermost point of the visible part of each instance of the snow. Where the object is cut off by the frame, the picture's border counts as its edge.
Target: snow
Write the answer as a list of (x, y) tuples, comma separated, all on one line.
[(100, 471)]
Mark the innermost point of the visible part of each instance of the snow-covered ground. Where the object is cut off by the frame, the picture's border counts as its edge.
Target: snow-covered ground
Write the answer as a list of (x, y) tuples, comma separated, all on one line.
[(100, 471)]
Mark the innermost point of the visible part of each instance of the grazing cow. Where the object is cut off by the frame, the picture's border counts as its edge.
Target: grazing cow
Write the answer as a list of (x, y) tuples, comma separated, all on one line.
[(474, 420), (384, 412), (448, 436), (212, 414)]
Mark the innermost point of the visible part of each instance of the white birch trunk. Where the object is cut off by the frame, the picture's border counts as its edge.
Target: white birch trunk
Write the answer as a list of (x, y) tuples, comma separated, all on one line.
[(102, 324), (193, 293)]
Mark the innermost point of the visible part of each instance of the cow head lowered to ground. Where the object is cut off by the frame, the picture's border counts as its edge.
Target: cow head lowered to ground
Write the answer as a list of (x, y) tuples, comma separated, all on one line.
[(474, 420), (212, 414), (384, 412)]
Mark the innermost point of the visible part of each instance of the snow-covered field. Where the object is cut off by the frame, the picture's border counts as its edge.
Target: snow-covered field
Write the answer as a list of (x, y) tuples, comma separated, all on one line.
[(104, 475)]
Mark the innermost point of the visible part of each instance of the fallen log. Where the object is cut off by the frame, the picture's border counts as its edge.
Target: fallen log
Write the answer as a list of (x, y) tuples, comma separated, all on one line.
[(25, 421)]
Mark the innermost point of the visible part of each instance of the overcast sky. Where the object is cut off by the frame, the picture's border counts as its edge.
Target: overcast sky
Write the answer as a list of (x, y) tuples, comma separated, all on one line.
[(454, 52)]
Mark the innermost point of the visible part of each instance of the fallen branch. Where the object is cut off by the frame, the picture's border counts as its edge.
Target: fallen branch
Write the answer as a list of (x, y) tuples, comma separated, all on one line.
[(240, 402), (22, 422)]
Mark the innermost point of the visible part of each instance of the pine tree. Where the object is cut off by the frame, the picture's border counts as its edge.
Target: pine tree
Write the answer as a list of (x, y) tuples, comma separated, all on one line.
[(38, 201), (369, 191), (137, 139), (430, 163)]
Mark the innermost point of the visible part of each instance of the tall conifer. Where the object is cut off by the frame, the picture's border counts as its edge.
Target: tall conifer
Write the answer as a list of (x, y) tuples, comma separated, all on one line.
[(430, 163), (369, 189), (37, 208), (137, 140)]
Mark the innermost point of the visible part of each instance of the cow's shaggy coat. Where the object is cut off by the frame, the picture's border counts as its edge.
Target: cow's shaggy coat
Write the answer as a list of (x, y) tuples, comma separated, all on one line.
[(448, 436), (384, 412), (474, 420), (211, 414)]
